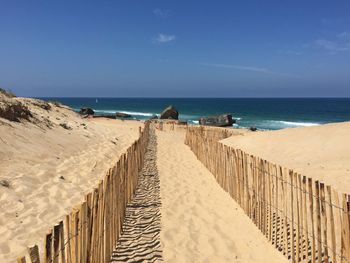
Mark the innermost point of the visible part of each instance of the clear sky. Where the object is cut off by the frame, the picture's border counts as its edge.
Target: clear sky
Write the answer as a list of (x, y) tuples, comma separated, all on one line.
[(178, 48)]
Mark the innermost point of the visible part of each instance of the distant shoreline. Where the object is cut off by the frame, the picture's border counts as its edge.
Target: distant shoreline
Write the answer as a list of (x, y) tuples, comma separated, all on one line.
[(263, 113)]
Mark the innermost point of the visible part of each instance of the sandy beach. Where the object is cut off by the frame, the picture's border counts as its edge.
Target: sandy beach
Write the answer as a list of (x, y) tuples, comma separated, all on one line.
[(200, 221), (48, 169), (50, 160), (321, 152)]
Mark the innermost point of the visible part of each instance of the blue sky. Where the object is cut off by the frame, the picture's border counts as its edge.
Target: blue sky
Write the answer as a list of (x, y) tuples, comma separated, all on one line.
[(175, 48)]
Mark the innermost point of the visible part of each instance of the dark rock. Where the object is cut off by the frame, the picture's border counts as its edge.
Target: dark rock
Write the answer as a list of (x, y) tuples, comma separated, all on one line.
[(169, 113), (224, 120), (65, 126), (86, 111), (154, 117), (5, 183), (253, 128), (42, 104), (122, 115)]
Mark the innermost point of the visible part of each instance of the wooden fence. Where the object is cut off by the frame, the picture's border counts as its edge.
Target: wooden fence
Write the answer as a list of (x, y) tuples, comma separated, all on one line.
[(91, 231), (306, 220)]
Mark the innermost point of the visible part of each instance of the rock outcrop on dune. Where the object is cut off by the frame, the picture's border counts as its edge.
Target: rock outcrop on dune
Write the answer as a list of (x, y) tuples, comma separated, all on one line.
[(86, 111), (224, 120)]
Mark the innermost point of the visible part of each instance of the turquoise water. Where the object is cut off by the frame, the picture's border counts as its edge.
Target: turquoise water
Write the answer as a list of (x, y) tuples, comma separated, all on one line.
[(264, 113)]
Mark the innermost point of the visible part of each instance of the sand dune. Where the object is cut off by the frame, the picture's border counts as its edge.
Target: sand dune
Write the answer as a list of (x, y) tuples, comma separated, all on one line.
[(200, 221), (322, 152), (50, 168)]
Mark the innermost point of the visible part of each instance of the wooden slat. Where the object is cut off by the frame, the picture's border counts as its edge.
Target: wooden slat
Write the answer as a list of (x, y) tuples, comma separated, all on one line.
[(68, 233), (306, 224), (345, 231), (324, 223), (297, 216), (311, 213), (292, 239), (56, 243), (48, 248), (331, 217), (318, 222), (34, 255)]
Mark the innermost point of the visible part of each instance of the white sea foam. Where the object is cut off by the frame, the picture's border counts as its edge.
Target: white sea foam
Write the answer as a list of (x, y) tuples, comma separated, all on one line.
[(133, 113), (304, 124)]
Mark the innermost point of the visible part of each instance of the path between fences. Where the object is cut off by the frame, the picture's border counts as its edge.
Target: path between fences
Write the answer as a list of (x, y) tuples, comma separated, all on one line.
[(200, 221), (140, 239)]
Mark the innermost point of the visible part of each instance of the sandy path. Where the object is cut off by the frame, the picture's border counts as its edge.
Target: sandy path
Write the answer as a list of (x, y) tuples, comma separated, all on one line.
[(140, 240), (200, 222)]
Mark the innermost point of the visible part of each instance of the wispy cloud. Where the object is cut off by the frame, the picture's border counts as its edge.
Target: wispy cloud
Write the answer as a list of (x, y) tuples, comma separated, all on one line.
[(238, 67), (290, 52), (341, 43), (344, 35), (293, 52), (162, 38), (247, 68), (161, 13)]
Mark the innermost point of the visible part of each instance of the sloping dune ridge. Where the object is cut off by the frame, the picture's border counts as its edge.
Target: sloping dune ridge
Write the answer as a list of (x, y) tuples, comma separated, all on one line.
[(47, 164), (322, 152)]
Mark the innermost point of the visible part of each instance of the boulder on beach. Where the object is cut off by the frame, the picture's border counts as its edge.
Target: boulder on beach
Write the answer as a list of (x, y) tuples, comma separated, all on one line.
[(122, 115), (253, 128), (86, 111), (169, 113), (223, 120)]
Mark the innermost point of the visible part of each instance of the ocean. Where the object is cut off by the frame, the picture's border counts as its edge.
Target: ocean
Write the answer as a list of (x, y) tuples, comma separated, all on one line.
[(263, 113)]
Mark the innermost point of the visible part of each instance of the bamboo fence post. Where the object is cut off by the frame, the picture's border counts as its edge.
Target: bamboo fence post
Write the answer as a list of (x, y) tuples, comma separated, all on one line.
[(84, 231), (285, 194), (311, 207), (77, 234), (306, 234), (89, 213), (333, 239), (345, 232), (297, 234), (67, 231), (324, 222), (270, 189), (292, 214), (73, 237), (263, 197), (254, 198), (48, 248), (94, 224), (277, 229), (318, 223), (56, 243), (301, 219), (33, 252)]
